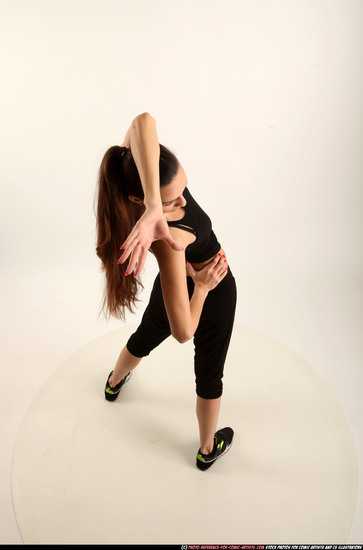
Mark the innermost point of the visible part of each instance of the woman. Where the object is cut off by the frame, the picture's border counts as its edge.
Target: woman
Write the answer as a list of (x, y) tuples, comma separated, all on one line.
[(143, 195)]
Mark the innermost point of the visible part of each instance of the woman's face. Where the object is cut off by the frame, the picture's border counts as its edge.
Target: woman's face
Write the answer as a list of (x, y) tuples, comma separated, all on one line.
[(172, 194)]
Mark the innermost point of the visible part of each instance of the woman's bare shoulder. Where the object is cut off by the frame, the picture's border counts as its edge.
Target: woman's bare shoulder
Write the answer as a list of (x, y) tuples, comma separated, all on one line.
[(161, 248)]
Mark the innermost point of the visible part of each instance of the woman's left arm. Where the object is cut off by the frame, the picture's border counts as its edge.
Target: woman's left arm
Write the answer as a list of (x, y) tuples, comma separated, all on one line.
[(184, 312)]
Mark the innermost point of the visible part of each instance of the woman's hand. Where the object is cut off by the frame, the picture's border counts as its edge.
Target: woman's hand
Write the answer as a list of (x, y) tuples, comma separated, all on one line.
[(152, 226), (211, 275)]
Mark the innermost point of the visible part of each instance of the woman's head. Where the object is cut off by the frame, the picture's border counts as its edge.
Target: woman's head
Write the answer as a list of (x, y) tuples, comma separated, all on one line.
[(171, 192), (168, 168), (119, 197)]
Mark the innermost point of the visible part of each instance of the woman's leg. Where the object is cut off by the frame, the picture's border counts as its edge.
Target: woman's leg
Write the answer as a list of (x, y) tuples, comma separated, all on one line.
[(211, 342), (125, 363), (153, 329), (207, 414)]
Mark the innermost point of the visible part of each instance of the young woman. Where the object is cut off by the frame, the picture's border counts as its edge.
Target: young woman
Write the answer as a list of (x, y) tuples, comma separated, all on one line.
[(144, 204)]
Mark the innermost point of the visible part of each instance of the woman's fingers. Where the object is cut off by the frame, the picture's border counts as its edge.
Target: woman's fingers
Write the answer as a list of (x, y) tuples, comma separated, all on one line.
[(128, 247), (140, 262), (134, 259), (219, 262), (221, 267), (223, 263), (214, 263), (130, 241), (126, 253), (137, 255)]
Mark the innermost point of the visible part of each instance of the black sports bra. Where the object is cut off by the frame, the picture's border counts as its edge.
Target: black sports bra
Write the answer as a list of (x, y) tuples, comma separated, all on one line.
[(196, 221)]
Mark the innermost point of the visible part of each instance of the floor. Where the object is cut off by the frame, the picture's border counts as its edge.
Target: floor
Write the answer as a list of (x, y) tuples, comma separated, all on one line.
[(82, 463), (292, 472)]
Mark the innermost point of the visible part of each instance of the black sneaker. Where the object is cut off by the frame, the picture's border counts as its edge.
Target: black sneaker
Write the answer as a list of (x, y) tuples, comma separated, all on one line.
[(222, 442), (112, 393)]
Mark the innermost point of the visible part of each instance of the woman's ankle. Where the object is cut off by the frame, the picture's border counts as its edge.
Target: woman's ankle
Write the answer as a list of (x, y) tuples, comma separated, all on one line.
[(207, 448), (112, 381)]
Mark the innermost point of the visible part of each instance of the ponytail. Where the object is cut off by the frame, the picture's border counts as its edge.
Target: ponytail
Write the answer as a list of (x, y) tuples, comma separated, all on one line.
[(116, 215)]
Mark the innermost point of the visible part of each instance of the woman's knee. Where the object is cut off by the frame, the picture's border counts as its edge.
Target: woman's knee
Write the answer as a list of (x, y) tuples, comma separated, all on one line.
[(209, 390)]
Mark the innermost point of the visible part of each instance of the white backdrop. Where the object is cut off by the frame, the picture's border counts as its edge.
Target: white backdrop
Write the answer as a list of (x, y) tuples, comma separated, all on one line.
[(261, 102)]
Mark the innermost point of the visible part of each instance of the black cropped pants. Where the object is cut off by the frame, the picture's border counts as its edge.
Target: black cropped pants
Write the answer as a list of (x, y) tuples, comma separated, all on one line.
[(211, 339)]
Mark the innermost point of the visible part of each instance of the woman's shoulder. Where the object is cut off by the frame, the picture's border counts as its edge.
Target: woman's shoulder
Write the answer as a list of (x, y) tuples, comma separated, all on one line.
[(161, 249)]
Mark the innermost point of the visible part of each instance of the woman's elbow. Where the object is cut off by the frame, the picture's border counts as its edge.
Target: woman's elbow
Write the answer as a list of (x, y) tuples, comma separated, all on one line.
[(182, 337), (143, 117)]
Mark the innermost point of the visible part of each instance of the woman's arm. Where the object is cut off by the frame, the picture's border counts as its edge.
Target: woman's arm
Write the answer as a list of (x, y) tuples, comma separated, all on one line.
[(145, 149), (184, 314), (143, 141)]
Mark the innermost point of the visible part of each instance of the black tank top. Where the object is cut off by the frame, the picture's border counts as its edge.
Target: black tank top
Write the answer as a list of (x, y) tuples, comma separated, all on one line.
[(197, 222)]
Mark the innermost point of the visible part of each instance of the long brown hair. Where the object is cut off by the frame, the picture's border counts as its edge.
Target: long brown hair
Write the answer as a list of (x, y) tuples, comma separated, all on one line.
[(116, 215)]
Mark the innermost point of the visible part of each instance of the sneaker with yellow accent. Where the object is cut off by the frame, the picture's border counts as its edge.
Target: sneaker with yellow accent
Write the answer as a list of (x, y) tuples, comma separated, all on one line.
[(112, 393), (222, 443)]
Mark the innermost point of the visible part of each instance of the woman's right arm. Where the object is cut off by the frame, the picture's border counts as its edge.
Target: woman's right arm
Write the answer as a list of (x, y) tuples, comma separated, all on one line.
[(143, 141)]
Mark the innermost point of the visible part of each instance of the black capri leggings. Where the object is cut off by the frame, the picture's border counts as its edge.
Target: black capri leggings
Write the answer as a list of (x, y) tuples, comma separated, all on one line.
[(211, 339)]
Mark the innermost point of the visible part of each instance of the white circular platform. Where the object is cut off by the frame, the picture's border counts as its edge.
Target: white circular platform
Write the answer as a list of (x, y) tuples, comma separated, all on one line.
[(87, 471)]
